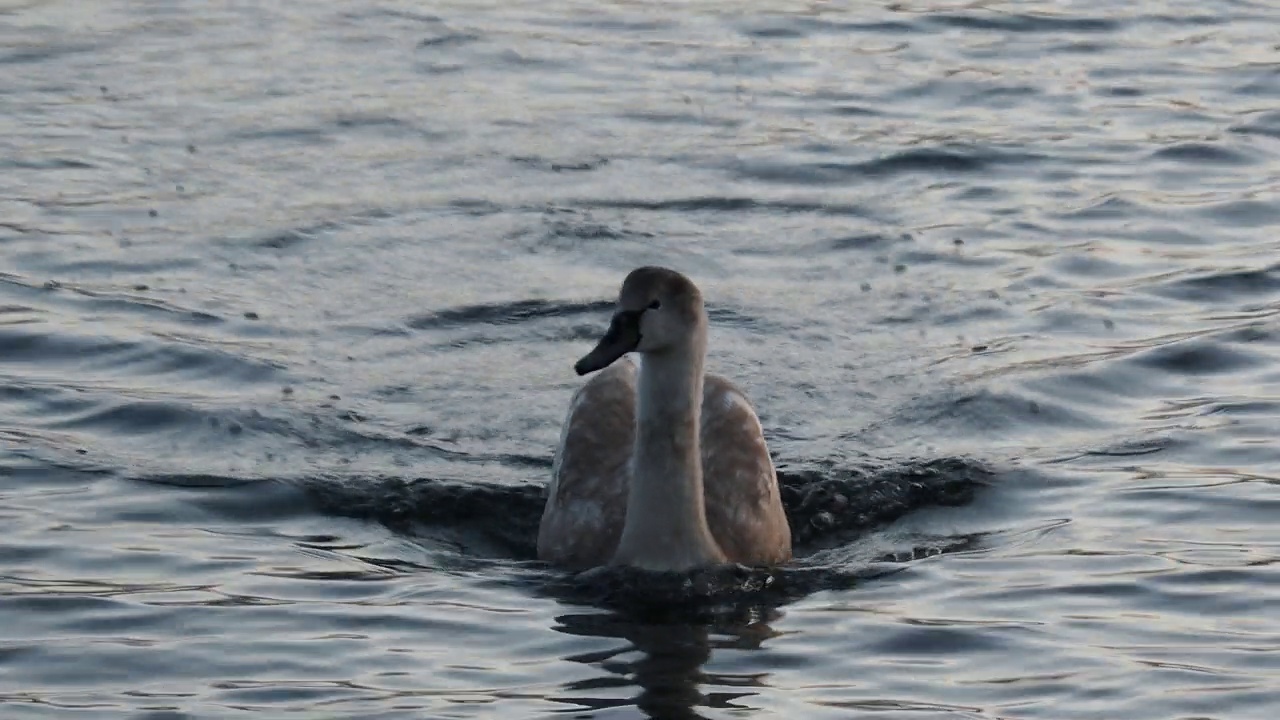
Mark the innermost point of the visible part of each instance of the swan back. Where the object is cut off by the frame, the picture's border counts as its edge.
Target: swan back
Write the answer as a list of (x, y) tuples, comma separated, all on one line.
[(591, 475)]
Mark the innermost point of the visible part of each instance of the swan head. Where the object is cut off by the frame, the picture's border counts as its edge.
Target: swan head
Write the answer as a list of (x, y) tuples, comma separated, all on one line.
[(659, 310)]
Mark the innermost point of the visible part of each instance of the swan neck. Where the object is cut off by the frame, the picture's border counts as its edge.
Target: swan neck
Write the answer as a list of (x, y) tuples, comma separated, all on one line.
[(666, 524)]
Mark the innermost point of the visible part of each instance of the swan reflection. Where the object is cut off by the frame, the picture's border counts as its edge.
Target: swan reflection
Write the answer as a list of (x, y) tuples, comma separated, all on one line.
[(665, 662)]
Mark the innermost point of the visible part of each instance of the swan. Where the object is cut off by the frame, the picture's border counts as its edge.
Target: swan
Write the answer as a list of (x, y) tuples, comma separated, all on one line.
[(660, 467)]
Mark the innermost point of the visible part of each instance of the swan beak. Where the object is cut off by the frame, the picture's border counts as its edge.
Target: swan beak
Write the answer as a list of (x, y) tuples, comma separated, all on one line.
[(623, 337)]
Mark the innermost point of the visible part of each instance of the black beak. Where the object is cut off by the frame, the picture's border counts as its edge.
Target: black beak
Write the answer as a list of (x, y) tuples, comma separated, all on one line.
[(623, 337)]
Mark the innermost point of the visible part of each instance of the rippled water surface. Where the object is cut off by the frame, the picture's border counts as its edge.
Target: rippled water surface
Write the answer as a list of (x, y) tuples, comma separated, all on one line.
[(290, 295)]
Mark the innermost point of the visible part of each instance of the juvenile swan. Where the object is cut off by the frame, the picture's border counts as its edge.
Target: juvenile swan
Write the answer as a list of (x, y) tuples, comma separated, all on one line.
[(662, 468)]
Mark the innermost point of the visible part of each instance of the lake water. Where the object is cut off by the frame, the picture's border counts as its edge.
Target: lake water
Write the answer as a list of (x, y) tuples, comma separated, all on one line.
[(290, 295)]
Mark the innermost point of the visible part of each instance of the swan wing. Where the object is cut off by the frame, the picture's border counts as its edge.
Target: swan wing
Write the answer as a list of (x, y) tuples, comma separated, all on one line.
[(744, 507), (587, 498)]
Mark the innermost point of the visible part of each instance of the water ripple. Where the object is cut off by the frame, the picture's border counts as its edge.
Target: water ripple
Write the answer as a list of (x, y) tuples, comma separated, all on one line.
[(291, 295)]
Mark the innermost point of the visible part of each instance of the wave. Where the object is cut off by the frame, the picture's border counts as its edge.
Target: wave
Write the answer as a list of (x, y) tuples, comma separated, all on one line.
[(828, 506)]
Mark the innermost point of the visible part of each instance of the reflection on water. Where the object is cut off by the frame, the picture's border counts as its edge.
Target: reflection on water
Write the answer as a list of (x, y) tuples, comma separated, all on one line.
[(665, 662)]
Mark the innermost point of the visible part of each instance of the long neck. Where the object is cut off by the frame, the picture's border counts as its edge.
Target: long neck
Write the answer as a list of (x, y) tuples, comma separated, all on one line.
[(666, 525)]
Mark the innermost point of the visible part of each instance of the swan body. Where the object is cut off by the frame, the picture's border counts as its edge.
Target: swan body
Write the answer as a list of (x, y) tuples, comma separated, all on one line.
[(661, 466)]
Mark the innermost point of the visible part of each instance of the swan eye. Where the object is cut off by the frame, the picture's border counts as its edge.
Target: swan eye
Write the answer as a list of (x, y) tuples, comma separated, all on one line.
[(655, 305)]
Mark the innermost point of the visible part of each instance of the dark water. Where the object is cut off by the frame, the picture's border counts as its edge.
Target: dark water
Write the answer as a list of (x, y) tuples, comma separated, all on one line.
[(290, 295)]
